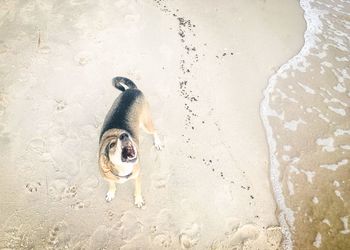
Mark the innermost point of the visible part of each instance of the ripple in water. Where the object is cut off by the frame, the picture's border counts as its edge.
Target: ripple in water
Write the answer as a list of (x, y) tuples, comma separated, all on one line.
[(306, 117)]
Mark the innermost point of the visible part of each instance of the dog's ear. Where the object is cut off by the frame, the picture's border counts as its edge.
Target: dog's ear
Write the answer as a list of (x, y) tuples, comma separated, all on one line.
[(104, 164), (103, 156)]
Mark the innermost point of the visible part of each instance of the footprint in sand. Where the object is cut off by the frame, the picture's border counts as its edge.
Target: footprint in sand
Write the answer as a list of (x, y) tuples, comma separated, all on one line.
[(162, 230), (37, 145), (189, 237), (33, 186), (248, 231), (248, 236), (237, 237), (79, 205), (163, 222), (243, 234), (110, 215), (59, 236), (99, 238), (59, 190), (60, 105), (70, 192), (131, 227), (163, 240)]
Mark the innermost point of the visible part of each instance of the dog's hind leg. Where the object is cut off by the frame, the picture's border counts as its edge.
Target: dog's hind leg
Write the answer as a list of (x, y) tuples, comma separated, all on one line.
[(148, 126)]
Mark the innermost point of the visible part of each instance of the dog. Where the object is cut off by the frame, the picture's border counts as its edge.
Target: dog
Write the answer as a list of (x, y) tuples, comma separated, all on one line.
[(119, 138)]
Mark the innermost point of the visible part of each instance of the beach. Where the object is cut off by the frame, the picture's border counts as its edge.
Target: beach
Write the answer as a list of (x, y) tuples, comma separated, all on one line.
[(209, 71)]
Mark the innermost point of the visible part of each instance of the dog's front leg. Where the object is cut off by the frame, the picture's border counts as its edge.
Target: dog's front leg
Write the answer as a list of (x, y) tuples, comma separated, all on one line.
[(138, 197), (111, 191)]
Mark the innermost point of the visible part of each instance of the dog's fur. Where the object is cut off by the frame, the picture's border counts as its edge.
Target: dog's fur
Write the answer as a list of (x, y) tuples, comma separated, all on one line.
[(119, 138)]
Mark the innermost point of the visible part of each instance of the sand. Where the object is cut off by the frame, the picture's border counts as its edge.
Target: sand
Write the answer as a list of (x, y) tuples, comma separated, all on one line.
[(203, 67)]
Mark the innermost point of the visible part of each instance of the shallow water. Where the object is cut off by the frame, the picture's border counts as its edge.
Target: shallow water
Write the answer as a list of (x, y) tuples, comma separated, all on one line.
[(306, 117)]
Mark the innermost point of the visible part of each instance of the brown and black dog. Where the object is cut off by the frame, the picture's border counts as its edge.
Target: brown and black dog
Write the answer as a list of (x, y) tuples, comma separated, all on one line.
[(119, 138)]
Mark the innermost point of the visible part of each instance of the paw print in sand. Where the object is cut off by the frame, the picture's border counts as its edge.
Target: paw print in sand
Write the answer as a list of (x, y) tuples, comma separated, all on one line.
[(60, 105), (189, 237), (33, 186)]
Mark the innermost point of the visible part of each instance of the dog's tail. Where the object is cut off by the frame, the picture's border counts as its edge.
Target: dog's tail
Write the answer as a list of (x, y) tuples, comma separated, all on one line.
[(118, 81)]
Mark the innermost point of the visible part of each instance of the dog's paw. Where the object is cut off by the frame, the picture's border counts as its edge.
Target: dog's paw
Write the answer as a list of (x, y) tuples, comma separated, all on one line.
[(110, 196), (157, 142), (139, 201)]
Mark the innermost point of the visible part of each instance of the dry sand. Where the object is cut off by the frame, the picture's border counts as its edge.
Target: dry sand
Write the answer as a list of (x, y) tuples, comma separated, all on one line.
[(202, 66)]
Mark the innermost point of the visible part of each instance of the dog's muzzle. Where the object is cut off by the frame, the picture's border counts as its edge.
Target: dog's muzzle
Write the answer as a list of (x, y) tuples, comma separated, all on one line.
[(128, 153), (128, 149)]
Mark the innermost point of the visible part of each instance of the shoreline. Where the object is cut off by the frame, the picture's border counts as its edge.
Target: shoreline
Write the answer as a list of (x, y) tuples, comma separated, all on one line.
[(283, 213), (287, 153)]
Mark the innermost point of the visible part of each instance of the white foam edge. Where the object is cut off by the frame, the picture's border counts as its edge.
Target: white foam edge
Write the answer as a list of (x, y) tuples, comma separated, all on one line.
[(286, 216)]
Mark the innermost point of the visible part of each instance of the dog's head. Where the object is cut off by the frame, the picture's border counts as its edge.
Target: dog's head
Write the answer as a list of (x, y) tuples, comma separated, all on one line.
[(122, 149)]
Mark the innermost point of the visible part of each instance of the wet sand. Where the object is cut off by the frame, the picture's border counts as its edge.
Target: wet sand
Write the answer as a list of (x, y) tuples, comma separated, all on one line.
[(202, 66), (306, 114)]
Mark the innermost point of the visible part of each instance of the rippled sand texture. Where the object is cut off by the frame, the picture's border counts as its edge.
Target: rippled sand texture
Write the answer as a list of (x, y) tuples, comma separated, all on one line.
[(306, 113)]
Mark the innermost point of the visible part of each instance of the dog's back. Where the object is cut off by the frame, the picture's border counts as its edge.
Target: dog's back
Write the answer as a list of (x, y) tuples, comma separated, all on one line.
[(125, 111)]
